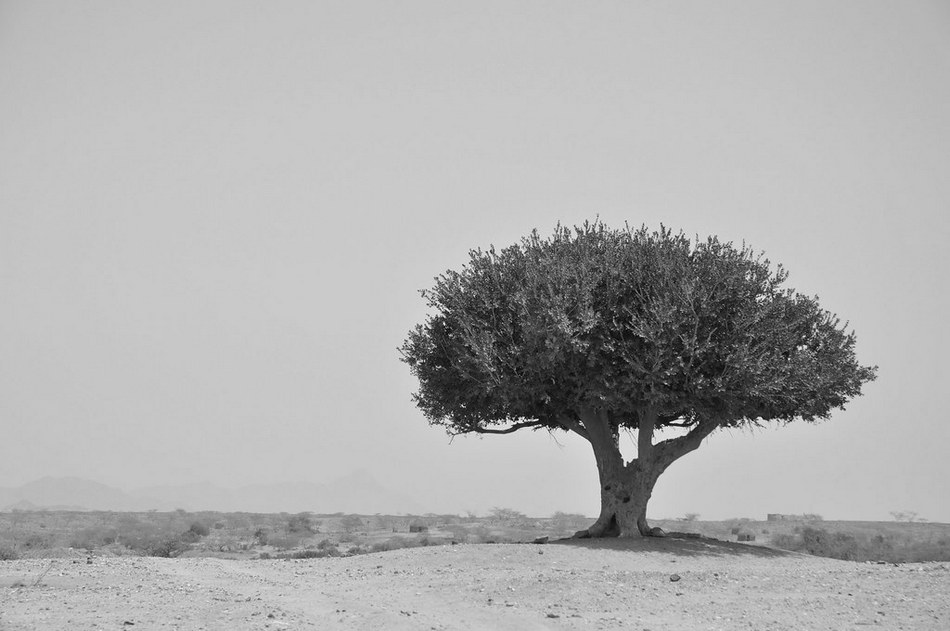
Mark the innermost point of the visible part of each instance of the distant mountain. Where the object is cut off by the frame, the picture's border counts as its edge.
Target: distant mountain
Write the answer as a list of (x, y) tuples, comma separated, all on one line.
[(68, 494), (358, 492)]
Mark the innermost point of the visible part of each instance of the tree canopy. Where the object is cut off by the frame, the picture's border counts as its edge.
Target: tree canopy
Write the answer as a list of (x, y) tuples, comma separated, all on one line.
[(622, 321)]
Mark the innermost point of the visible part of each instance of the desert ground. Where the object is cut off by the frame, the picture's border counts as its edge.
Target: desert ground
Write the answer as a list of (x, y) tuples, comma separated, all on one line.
[(639, 584)]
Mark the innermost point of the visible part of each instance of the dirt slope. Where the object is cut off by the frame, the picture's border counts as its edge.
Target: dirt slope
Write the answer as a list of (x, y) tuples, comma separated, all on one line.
[(578, 585)]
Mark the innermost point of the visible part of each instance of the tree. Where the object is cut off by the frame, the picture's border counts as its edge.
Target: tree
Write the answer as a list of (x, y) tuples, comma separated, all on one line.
[(598, 331)]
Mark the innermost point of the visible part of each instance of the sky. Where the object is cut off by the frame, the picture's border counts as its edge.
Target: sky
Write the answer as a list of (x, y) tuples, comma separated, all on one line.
[(215, 219)]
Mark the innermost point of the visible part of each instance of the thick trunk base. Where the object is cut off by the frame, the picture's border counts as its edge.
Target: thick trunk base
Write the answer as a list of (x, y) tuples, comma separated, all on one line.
[(624, 498)]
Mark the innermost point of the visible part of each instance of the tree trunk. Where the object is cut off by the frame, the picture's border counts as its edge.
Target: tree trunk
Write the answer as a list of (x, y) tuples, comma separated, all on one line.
[(624, 494), (625, 488)]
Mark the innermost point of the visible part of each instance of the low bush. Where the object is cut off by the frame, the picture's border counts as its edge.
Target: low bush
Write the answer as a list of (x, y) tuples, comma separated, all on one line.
[(35, 541), (855, 546), (93, 538), (260, 537), (198, 529), (302, 523), (8, 553), (287, 541), (166, 547)]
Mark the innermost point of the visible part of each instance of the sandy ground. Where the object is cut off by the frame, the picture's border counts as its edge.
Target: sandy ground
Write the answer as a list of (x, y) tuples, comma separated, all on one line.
[(577, 585)]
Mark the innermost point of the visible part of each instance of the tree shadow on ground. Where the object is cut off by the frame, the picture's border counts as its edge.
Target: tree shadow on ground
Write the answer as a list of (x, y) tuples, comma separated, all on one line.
[(679, 546)]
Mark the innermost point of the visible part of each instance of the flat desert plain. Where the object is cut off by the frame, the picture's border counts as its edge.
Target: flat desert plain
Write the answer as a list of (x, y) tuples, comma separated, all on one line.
[(638, 584)]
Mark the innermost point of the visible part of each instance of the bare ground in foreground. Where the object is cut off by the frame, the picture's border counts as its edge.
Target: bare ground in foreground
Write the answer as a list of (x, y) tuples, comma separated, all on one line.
[(615, 584)]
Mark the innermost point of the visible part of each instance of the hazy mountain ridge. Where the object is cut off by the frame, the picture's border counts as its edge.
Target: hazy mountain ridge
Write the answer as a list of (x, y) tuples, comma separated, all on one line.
[(358, 492)]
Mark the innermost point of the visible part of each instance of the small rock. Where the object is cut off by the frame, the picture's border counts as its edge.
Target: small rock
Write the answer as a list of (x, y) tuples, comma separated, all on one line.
[(541, 540), (656, 531), (674, 578), (553, 615)]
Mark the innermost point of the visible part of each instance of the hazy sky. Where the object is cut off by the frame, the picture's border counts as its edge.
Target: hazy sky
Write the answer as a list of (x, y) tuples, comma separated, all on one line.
[(215, 218)]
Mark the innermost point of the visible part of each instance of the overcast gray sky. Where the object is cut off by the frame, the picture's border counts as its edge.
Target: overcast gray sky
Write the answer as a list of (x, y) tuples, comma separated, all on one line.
[(215, 217)]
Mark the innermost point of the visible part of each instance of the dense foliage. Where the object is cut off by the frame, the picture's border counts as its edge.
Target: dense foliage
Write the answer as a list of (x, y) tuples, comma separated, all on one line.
[(624, 320)]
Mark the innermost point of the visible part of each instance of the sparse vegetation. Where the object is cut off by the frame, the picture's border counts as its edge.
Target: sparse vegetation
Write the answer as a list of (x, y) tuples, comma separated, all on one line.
[(868, 544), (8, 553), (279, 536), (302, 523), (907, 515)]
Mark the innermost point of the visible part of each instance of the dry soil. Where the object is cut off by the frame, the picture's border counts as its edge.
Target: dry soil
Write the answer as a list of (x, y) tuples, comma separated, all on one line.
[(653, 584)]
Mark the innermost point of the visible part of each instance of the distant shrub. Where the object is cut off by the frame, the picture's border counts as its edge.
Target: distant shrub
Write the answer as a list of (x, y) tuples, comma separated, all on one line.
[(286, 541), (199, 529), (92, 538), (510, 518), (36, 542), (569, 521), (351, 523), (860, 547), (8, 553), (166, 547), (260, 536), (328, 545), (380, 546), (302, 523)]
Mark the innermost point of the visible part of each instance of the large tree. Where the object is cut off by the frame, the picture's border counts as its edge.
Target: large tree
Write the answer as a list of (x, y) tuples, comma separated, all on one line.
[(597, 331)]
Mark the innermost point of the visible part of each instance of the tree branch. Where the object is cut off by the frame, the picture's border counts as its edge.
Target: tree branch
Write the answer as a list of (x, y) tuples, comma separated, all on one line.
[(573, 425), (669, 450), (509, 430)]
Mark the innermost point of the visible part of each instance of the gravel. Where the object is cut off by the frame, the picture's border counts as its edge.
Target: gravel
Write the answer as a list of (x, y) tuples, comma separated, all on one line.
[(613, 584)]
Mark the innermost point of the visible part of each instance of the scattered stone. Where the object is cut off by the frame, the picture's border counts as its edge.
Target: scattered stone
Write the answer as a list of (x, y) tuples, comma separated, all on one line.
[(674, 578), (553, 615)]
